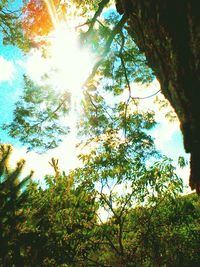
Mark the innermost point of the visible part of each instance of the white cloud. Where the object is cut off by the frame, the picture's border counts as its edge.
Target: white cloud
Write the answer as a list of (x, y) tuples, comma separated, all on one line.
[(165, 130), (35, 65), (7, 70), (66, 153)]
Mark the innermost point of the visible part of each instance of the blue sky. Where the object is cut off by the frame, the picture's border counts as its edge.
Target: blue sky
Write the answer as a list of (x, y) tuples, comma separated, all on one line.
[(11, 82)]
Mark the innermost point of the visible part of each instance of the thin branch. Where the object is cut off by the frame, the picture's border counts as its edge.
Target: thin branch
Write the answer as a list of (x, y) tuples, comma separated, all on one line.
[(114, 32), (126, 202), (81, 25), (95, 106), (109, 205), (120, 241), (124, 67), (102, 4), (11, 11), (145, 97), (127, 82), (10, 14), (50, 116), (91, 101), (101, 23), (108, 238)]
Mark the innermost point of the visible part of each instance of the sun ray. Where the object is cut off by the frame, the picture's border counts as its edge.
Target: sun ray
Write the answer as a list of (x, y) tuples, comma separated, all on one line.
[(52, 12), (65, 65)]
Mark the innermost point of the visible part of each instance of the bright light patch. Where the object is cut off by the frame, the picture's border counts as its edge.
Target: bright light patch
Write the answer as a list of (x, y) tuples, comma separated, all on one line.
[(71, 63), (36, 66), (7, 70), (62, 64), (66, 65)]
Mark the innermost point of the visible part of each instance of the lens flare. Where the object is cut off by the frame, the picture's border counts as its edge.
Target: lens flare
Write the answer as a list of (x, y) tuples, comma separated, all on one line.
[(52, 12)]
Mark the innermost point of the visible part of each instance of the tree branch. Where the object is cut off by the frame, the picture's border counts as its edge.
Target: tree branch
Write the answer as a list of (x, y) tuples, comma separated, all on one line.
[(51, 115), (115, 31), (102, 4), (145, 97), (127, 82)]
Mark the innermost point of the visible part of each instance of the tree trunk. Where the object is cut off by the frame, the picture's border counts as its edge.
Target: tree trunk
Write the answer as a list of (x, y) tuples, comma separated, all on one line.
[(168, 32)]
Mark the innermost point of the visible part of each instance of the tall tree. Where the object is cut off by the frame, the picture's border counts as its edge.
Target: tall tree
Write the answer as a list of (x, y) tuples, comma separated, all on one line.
[(123, 167), (116, 69), (60, 222), (13, 195)]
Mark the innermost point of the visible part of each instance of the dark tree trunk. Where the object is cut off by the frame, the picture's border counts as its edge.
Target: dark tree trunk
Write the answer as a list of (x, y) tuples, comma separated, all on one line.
[(168, 32)]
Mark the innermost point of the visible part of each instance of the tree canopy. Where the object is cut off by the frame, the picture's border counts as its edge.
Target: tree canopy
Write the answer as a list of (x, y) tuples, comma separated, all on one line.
[(122, 205)]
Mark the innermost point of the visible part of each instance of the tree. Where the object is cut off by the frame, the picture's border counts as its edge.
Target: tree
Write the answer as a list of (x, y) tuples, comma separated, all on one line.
[(116, 66), (13, 195), (107, 33), (165, 233), (37, 19), (125, 170), (60, 219)]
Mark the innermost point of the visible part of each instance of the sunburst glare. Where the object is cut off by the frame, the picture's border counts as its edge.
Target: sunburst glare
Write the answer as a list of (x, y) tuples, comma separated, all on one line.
[(61, 63), (71, 63), (70, 67)]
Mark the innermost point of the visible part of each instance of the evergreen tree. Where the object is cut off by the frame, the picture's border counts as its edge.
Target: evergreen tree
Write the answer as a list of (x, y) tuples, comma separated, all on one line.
[(13, 195)]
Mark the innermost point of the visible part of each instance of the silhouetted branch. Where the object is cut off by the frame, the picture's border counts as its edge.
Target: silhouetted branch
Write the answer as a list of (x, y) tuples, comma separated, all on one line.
[(114, 32), (102, 4)]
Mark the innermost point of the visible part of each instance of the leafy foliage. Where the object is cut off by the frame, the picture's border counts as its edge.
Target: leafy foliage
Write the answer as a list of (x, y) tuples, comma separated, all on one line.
[(37, 20), (37, 116), (119, 64), (165, 234), (61, 222), (123, 201), (10, 26), (124, 170), (147, 223)]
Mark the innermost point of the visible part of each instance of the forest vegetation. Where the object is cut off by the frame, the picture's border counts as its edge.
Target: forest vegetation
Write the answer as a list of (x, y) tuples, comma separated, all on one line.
[(123, 205)]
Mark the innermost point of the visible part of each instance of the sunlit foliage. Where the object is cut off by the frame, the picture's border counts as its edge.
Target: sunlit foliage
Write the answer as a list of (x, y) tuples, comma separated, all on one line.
[(124, 200), (10, 26), (40, 17), (61, 220), (37, 116)]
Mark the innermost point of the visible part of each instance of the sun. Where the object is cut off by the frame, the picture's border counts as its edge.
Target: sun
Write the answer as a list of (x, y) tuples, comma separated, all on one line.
[(51, 26), (65, 66), (71, 63)]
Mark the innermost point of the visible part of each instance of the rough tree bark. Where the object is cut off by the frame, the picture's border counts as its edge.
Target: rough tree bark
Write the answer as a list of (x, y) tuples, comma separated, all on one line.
[(168, 32)]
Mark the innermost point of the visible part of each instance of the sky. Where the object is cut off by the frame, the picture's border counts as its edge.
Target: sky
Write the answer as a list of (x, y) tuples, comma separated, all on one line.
[(13, 64)]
